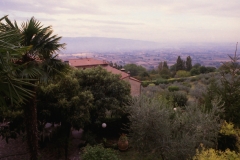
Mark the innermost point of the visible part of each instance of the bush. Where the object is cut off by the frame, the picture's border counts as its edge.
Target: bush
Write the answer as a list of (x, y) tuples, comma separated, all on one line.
[(163, 86), (155, 127), (194, 71), (182, 73), (145, 84), (98, 152), (161, 81), (179, 99), (151, 84), (197, 91), (173, 88), (229, 137), (182, 86), (152, 90), (212, 154)]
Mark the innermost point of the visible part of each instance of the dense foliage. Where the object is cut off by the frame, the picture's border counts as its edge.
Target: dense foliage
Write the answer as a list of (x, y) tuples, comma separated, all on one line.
[(212, 154), (98, 152), (108, 90), (156, 127), (38, 62), (134, 70)]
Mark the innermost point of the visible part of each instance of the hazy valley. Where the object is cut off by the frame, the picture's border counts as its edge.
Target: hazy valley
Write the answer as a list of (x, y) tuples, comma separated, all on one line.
[(145, 53)]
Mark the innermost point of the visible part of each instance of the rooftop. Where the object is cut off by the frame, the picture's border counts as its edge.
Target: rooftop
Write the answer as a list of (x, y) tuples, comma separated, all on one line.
[(86, 62)]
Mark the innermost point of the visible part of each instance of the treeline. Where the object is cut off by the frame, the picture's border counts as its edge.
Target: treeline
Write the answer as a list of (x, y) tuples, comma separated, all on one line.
[(182, 68)]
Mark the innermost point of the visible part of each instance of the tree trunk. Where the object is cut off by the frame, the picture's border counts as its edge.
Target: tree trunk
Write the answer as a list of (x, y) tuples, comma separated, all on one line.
[(30, 112), (67, 130)]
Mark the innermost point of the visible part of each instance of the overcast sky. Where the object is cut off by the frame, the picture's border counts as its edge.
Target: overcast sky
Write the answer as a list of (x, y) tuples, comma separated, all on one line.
[(152, 20)]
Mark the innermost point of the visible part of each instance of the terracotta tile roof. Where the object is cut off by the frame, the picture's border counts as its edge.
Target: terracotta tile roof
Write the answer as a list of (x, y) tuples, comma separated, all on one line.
[(135, 79), (116, 71), (86, 62)]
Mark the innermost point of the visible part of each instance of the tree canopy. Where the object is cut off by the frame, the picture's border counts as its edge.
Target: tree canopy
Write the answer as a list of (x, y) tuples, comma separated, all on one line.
[(108, 90), (135, 70)]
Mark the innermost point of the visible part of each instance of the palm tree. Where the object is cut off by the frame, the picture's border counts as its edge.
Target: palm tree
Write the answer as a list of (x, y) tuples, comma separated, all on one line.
[(11, 87), (39, 62)]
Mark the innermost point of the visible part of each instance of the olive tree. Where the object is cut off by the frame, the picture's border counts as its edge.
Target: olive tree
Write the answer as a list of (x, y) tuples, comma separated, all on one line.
[(171, 133)]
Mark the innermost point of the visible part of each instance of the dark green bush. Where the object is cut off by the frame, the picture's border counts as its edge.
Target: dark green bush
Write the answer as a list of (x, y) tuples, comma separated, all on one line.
[(194, 71), (98, 152), (179, 99), (145, 84), (90, 137), (161, 81), (173, 88)]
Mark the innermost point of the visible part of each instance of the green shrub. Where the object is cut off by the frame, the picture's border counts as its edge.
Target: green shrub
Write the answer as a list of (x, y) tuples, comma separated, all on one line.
[(145, 83), (182, 73), (98, 152), (173, 88), (229, 137), (212, 154), (194, 71), (90, 137), (179, 99), (157, 128), (161, 81)]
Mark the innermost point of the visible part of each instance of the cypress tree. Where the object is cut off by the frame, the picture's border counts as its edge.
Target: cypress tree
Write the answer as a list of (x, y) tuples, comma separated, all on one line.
[(179, 64), (188, 63), (165, 65)]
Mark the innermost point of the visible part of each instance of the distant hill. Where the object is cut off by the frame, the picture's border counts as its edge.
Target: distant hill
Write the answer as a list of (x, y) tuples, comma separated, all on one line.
[(98, 44)]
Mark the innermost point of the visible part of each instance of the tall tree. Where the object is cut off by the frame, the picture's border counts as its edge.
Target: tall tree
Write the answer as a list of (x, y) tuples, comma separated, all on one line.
[(135, 70), (180, 64), (70, 106), (227, 87), (39, 62), (165, 65), (109, 91), (11, 87), (160, 67), (13, 91), (188, 63)]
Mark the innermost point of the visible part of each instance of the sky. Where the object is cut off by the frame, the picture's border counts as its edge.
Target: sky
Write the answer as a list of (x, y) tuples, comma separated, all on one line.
[(150, 20)]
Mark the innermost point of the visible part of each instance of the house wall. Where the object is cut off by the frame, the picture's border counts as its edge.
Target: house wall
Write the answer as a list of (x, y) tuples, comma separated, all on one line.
[(135, 86)]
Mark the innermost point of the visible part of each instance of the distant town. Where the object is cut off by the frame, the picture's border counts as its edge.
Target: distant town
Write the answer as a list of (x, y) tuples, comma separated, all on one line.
[(144, 53), (151, 58)]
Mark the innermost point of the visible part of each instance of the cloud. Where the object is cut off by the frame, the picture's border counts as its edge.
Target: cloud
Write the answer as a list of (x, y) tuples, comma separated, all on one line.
[(49, 7), (141, 19), (110, 22), (198, 7)]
